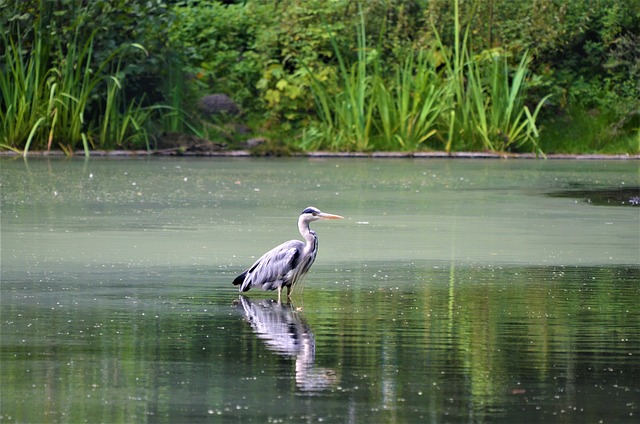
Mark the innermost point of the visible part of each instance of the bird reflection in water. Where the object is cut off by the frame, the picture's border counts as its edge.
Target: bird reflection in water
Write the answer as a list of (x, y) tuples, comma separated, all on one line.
[(283, 331)]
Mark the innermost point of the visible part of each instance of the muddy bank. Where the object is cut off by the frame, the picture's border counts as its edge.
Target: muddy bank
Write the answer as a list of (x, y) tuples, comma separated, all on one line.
[(249, 153)]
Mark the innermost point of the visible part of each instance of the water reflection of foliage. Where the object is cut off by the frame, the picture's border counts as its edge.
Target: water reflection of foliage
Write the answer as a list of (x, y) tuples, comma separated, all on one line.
[(468, 346), (499, 334)]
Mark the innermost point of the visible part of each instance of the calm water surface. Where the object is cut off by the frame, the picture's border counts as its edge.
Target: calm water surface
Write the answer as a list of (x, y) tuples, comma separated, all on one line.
[(454, 291)]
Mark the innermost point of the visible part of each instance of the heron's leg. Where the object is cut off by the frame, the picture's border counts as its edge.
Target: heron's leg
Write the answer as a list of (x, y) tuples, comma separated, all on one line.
[(279, 293), (289, 292)]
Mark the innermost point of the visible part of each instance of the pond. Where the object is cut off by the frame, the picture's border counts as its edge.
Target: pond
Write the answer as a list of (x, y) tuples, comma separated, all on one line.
[(453, 291)]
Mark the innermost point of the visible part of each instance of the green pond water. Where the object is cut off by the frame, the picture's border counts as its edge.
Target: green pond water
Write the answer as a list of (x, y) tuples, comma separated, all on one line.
[(453, 291)]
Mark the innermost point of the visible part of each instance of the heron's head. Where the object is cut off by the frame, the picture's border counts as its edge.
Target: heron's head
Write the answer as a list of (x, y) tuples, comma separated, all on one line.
[(311, 214)]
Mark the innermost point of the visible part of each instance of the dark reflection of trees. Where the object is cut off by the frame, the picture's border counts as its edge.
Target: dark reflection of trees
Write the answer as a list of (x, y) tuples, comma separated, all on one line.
[(284, 331)]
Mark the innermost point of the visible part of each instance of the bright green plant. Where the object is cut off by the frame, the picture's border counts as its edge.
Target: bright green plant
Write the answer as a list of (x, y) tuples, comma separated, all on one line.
[(347, 116), (72, 83), (368, 111), (410, 106), (290, 45), (76, 85), (24, 94), (49, 103), (283, 93), (454, 61), (501, 119), (488, 101)]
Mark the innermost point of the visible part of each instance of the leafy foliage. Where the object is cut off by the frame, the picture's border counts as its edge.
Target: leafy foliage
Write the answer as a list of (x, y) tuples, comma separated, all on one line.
[(398, 75), (216, 44)]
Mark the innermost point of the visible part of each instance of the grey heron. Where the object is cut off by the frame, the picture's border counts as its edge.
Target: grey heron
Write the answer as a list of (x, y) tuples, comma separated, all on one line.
[(285, 264)]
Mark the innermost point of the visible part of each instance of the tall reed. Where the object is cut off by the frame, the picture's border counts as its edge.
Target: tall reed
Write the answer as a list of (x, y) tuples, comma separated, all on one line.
[(47, 93), (488, 109), (346, 116), (23, 87), (370, 111), (502, 120), (454, 64), (410, 106), (124, 126), (174, 88), (73, 83)]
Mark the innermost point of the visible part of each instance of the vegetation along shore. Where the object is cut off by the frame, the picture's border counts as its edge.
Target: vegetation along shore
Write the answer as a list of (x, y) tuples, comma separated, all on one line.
[(473, 78)]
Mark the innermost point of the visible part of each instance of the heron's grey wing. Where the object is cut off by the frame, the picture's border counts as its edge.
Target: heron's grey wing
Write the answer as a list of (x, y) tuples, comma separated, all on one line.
[(274, 265)]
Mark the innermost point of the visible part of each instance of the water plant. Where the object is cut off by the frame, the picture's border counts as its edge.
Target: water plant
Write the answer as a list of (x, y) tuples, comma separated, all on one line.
[(477, 102), (128, 127), (24, 94), (409, 107), (369, 111), (488, 109), (502, 121), (73, 81), (49, 92), (346, 116)]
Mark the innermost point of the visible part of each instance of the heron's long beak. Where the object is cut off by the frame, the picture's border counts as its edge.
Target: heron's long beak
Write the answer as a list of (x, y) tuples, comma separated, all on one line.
[(330, 216)]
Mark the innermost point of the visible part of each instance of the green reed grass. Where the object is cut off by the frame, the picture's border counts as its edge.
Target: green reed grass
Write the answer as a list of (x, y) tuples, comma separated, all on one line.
[(74, 82), (410, 106), (47, 93), (488, 100), (347, 116), (370, 112), (125, 128), (24, 94), (174, 117), (502, 121), (476, 103), (591, 131), (459, 118), (175, 120)]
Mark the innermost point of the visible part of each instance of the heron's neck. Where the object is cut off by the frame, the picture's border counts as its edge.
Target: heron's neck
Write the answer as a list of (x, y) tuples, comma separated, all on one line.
[(308, 234)]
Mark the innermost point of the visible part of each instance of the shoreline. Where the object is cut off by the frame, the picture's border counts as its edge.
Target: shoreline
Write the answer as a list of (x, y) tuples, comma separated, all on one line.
[(321, 154)]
